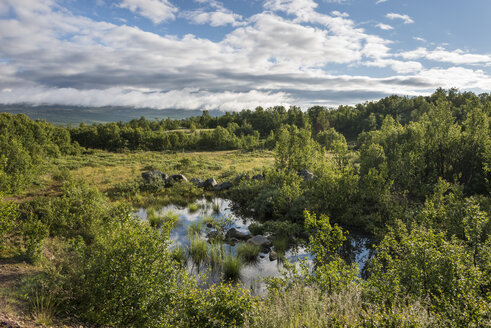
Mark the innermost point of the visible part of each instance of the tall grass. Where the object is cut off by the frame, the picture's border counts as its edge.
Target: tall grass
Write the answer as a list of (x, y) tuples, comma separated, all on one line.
[(198, 251), (178, 254), (248, 253), (302, 306), (194, 229), (217, 252), (231, 267), (43, 308), (157, 221)]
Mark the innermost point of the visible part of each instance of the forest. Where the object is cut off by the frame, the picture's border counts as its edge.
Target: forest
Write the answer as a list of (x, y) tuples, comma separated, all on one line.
[(410, 173)]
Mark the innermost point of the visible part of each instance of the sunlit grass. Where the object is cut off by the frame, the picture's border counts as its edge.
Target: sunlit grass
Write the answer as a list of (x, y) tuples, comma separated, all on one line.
[(193, 207)]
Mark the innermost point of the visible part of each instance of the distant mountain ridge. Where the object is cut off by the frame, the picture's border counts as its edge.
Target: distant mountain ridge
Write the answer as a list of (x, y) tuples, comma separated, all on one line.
[(63, 115)]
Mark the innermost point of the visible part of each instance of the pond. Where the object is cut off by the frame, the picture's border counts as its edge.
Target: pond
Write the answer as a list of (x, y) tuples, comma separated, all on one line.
[(251, 275)]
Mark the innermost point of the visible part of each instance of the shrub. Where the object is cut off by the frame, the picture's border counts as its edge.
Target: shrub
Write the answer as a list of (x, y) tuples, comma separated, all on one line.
[(219, 305), (126, 277)]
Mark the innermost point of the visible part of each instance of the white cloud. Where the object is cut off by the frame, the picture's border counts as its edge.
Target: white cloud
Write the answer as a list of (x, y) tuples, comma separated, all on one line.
[(380, 1), (417, 38), (405, 18), (384, 27), (440, 54), (217, 16), (157, 11)]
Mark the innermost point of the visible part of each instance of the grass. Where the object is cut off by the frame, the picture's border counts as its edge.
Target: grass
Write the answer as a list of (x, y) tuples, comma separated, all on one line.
[(302, 306), (231, 268), (248, 253), (193, 208), (194, 229), (105, 170), (178, 254), (169, 218), (217, 251), (198, 251), (43, 308)]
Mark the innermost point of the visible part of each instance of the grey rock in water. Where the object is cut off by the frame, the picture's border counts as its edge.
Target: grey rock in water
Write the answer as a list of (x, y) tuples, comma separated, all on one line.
[(236, 234), (273, 256), (223, 186), (260, 241)]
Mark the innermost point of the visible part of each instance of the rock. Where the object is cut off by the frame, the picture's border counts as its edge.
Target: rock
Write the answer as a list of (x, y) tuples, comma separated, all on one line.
[(214, 235), (178, 177), (262, 256), (209, 183), (260, 241), (273, 256), (223, 186), (258, 177), (307, 175), (236, 234), (154, 175)]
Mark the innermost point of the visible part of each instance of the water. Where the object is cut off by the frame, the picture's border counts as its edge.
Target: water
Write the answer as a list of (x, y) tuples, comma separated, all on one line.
[(251, 275)]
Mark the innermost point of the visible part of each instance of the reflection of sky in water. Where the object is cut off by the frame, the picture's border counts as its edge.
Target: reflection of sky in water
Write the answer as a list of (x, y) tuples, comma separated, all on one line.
[(251, 275)]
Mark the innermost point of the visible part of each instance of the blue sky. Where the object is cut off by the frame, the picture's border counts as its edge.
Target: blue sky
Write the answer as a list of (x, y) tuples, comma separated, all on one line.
[(236, 54)]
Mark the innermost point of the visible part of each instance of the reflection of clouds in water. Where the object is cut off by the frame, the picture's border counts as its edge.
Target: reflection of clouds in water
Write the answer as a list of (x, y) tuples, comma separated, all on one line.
[(251, 275)]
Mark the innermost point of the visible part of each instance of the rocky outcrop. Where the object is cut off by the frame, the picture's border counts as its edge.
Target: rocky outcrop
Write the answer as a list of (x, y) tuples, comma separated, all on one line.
[(154, 175), (177, 177)]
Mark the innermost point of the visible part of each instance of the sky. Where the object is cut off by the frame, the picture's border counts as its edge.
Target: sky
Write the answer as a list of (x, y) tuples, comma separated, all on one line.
[(237, 54)]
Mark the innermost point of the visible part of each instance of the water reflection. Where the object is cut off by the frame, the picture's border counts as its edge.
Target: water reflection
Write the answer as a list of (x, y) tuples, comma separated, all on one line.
[(251, 275)]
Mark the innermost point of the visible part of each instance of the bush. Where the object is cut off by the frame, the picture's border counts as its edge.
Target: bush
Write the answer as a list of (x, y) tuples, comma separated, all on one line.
[(126, 277), (217, 306)]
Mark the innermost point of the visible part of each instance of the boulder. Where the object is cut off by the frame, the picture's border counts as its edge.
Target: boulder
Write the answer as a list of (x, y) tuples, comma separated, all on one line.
[(258, 177), (306, 175), (177, 177), (223, 186), (260, 241), (273, 256), (236, 234), (214, 235), (209, 183), (154, 175)]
